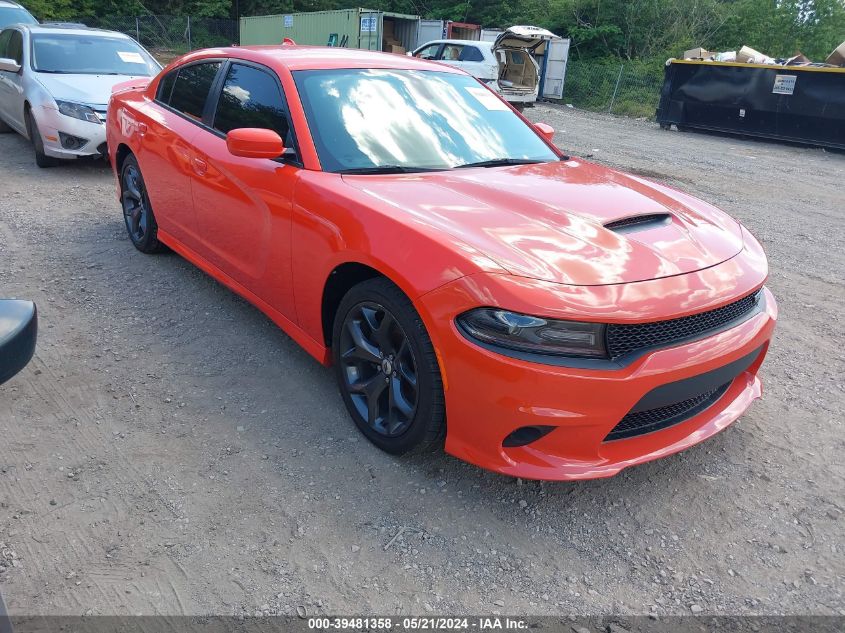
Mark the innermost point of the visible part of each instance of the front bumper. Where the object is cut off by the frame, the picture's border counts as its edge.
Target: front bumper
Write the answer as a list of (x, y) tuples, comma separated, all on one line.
[(50, 122), (489, 395)]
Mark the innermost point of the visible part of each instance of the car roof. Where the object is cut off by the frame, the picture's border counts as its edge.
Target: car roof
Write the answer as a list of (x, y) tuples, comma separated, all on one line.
[(462, 42), (72, 29), (9, 3), (318, 57)]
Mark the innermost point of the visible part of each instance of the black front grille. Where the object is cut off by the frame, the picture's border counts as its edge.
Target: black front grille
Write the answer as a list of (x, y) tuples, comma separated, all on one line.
[(640, 422), (624, 339)]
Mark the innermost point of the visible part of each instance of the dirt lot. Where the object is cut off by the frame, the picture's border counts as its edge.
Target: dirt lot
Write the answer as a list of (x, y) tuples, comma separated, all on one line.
[(170, 451)]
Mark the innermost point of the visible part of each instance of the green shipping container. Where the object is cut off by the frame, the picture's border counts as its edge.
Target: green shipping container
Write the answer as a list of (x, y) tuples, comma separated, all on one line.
[(349, 28)]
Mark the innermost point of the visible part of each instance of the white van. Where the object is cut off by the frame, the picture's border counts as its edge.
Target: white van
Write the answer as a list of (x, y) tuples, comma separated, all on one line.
[(506, 65)]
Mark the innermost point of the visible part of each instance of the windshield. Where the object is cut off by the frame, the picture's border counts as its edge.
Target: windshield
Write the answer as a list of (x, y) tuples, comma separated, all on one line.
[(14, 15), (366, 119), (90, 55)]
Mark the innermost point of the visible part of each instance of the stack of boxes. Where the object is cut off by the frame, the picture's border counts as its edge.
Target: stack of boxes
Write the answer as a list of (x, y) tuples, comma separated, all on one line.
[(389, 42)]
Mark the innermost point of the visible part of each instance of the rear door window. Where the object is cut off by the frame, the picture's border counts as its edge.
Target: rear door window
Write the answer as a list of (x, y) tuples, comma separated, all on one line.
[(251, 98), (471, 54), (451, 52), (165, 86), (191, 88)]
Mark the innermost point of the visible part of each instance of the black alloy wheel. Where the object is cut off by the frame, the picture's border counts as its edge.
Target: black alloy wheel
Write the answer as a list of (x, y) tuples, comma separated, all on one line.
[(386, 368), (137, 211), (379, 368)]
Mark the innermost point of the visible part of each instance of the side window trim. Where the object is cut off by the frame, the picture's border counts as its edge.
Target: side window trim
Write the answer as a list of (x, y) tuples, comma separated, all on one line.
[(210, 109), (217, 89)]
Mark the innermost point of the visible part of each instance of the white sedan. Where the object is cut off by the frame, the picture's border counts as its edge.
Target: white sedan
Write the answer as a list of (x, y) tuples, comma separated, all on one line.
[(55, 84), (506, 65)]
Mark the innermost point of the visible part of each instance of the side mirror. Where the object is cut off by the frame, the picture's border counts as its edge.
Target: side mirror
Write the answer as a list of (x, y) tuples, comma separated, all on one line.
[(546, 131), (253, 142), (9, 65), (18, 332)]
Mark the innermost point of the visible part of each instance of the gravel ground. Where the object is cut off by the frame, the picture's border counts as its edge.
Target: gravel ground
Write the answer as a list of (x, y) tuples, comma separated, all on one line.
[(170, 451)]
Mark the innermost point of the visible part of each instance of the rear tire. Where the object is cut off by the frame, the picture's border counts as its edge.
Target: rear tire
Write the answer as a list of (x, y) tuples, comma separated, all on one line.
[(137, 211), (41, 159), (519, 107), (387, 369)]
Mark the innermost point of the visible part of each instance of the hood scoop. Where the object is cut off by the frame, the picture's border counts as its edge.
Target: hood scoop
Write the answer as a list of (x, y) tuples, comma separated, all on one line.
[(639, 222)]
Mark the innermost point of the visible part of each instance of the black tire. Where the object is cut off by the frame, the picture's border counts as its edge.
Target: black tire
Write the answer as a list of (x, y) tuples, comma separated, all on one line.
[(519, 107), (665, 126), (387, 369), (41, 159), (137, 210)]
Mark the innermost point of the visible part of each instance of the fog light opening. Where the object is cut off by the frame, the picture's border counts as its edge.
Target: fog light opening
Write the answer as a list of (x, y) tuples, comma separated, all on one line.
[(525, 435), (72, 142)]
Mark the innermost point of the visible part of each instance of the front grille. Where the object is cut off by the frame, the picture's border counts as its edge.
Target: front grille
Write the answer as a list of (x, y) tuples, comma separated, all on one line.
[(623, 339), (652, 420)]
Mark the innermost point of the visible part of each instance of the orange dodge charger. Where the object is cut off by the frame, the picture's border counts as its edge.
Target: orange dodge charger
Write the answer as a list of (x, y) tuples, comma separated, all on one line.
[(540, 315)]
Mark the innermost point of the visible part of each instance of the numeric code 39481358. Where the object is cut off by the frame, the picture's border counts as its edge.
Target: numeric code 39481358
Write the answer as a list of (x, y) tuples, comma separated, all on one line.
[(386, 624)]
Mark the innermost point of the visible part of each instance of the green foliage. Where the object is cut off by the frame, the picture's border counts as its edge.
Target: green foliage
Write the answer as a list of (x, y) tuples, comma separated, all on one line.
[(622, 29)]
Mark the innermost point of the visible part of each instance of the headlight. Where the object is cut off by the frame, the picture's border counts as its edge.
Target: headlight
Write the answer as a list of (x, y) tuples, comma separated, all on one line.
[(78, 111), (534, 335)]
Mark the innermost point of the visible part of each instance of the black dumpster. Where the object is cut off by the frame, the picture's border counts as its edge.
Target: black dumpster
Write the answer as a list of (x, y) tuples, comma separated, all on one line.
[(790, 103)]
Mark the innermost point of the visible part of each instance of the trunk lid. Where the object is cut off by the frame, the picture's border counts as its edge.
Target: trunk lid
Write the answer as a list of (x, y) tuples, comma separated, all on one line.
[(526, 37)]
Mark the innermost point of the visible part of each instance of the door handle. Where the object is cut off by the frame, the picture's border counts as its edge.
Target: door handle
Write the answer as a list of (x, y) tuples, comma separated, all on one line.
[(200, 166)]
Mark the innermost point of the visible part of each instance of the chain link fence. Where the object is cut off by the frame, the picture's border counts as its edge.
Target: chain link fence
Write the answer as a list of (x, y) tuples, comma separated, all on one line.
[(168, 36), (628, 89)]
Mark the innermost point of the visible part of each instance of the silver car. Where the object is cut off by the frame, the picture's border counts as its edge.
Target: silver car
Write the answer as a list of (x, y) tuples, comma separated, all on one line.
[(55, 84), (506, 65), (13, 13)]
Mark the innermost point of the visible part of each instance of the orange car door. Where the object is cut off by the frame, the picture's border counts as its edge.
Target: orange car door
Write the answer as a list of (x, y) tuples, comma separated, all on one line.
[(243, 205), (169, 125)]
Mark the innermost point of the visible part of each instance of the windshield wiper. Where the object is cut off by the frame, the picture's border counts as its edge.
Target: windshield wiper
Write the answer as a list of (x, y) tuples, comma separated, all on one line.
[(386, 169), (500, 162)]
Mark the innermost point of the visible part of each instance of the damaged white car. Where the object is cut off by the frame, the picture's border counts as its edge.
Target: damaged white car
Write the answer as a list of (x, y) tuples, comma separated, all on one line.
[(507, 65)]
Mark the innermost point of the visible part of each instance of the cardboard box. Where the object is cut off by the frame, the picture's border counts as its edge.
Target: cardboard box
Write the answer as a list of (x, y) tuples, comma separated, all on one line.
[(398, 50), (837, 57), (748, 55), (698, 53)]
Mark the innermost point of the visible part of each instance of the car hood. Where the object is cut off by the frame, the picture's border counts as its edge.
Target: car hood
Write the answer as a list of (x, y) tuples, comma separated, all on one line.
[(87, 89), (547, 221)]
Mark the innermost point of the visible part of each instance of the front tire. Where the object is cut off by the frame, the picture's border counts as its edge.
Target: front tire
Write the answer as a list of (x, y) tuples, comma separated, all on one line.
[(137, 210), (41, 159), (387, 369)]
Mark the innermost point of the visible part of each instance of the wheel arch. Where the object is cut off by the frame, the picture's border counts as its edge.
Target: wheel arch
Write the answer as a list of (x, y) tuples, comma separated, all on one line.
[(120, 155), (339, 281)]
